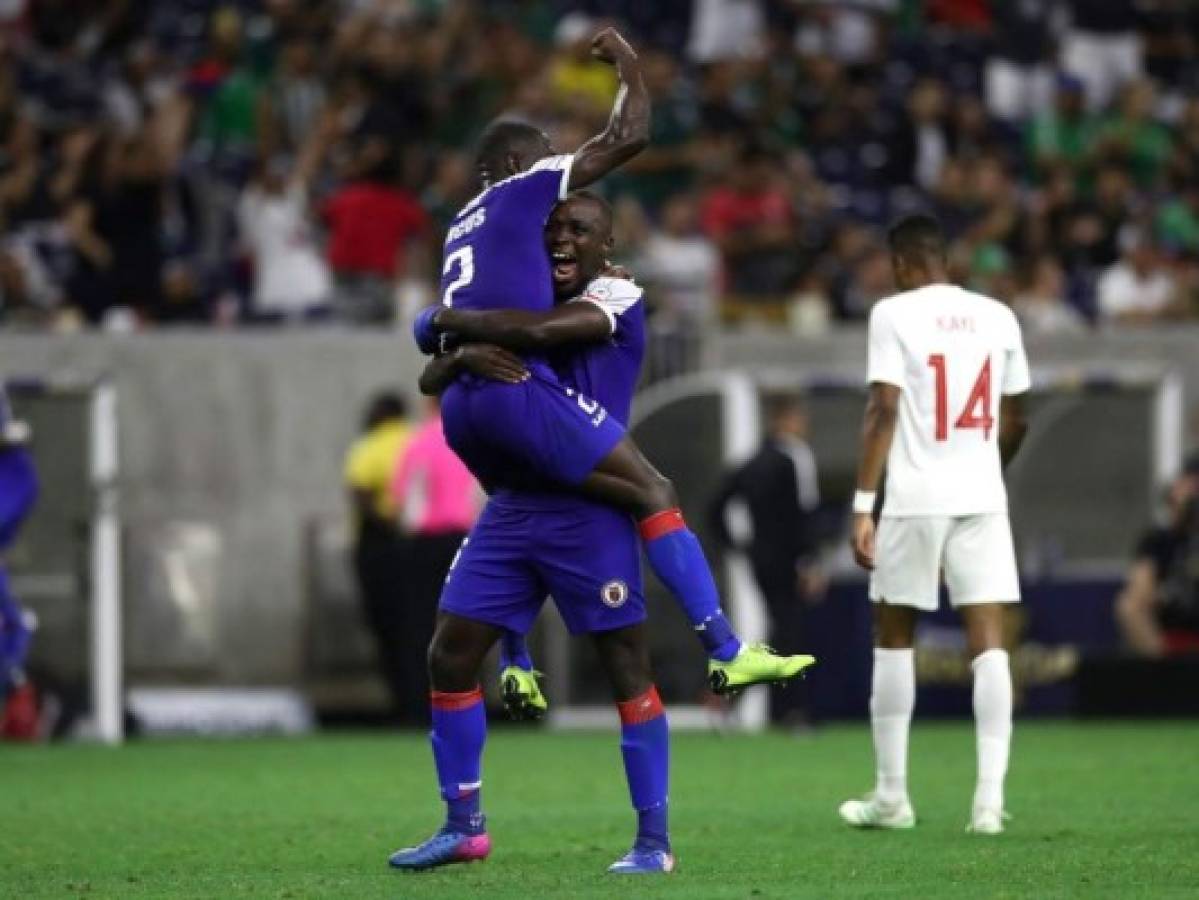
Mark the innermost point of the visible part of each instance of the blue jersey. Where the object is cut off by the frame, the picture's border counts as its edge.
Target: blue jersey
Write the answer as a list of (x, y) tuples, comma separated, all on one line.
[(530, 542), (494, 254), (608, 372)]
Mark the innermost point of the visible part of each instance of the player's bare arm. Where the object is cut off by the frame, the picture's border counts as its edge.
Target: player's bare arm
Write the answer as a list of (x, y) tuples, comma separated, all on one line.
[(1013, 426), (878, 430), (627, 133), (485, 360), (529, 332)]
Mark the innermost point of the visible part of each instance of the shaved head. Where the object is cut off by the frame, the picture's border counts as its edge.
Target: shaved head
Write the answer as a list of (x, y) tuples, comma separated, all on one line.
[(509, 146)]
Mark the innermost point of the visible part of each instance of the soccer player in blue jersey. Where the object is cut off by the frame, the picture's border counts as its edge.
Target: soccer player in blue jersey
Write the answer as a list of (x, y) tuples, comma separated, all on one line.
[(530, 543), (537, 431), (18, 491)]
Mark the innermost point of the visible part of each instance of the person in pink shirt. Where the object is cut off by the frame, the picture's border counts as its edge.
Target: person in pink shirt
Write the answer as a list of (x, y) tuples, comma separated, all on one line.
[(437, 501)]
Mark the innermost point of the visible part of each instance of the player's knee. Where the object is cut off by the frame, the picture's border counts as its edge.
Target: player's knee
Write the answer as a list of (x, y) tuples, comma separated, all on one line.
[(659, 494), (447, 668)]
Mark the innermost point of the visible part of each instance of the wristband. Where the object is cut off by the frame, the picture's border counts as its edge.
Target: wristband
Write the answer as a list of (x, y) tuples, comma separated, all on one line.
[(863, 502)]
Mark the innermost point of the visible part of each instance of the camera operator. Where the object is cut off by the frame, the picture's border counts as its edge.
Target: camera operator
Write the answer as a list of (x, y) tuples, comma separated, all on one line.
[(1158, 611)]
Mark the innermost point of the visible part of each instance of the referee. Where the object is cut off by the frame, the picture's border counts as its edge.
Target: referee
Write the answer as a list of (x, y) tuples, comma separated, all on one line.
[(437, 501)]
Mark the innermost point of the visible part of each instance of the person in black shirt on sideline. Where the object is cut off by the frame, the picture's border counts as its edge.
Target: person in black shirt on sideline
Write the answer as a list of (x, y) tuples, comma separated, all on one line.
[(1158, 610), (779, 487)]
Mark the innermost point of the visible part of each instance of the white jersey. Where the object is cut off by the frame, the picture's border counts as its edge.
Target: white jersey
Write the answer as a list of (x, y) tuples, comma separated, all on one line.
[(953, 354)]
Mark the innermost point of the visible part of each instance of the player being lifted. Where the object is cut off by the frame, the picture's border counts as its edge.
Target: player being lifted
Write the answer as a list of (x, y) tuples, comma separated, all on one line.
[(945, 413), (585, 554)]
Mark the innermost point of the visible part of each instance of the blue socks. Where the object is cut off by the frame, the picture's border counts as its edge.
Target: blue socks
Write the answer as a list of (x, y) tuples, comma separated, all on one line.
[(514, 652), (645, 745), (678, 560), (459, 731)]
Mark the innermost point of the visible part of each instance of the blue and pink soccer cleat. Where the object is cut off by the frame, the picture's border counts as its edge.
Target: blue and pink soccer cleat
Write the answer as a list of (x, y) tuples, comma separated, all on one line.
[(644, 862), (444, 848)]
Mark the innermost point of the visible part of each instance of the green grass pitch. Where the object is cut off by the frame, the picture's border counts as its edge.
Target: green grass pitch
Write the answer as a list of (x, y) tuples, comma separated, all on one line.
[(1098, 811)]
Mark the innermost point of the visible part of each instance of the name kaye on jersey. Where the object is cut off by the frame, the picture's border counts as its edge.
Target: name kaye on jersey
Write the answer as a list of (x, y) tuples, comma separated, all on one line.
[(956, 323), (467, 225)]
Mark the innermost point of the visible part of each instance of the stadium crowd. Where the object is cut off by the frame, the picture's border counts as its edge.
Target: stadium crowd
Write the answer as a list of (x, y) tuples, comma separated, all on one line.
[(271, 161)]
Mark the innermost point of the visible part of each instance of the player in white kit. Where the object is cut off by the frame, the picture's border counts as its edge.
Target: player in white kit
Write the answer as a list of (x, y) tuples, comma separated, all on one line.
[(947, 372)]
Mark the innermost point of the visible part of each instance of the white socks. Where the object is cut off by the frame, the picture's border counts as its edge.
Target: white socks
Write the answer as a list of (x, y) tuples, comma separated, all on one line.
[(892, 697), (993, 720)]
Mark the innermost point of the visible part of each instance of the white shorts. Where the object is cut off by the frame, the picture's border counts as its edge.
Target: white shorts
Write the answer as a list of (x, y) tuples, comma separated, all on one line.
[(975, 553)]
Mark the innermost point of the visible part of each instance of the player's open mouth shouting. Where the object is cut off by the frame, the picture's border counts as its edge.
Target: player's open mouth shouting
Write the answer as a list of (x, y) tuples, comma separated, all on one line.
[(566, 267)]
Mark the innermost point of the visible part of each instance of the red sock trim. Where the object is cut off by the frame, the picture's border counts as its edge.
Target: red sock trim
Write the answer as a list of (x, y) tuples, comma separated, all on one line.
[(663, 523), (455, 702), (641, 709)]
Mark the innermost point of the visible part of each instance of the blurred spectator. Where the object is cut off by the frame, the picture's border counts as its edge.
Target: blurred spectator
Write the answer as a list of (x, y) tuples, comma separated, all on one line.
[(811, 309), (1139, 288), (578, 81), (377, 233), (293, 98), (291, 280), (437, 501), (779, 488), (667, 164), (871, 280), (681, 269), (923, 144), (1178, 221), (1131, 138), (1185, 163), (847, 32), (749, 217), (1101, 47), (1158, 610), (1065, 134), (1019, 74), (725, 30), (378, 554), (1041, 303), (228, 89), (681, 266)]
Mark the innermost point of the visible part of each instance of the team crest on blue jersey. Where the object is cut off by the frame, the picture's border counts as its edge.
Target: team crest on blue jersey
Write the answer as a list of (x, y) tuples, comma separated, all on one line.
[(614, 594)]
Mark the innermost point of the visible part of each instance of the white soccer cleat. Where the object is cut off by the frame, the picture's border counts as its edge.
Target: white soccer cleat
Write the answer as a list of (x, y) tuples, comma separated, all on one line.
[(873, 812), (986, 820)]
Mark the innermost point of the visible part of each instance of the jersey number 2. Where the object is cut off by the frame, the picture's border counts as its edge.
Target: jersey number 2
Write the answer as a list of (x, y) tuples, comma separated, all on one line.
[(976, 414), (464, 258)]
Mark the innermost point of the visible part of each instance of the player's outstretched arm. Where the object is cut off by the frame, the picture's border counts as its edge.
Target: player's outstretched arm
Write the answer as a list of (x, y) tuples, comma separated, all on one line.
[(528, 332), (484, 360), (878, 430), (1013, 425), (627, 133)]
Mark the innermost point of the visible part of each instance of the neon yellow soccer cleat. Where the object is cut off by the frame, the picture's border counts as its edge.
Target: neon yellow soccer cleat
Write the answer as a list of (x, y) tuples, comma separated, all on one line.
[(522, 694), (755, 664)]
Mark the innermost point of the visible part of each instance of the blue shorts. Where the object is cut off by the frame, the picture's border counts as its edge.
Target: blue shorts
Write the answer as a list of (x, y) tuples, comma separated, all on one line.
[(526, 436), (523, 548)]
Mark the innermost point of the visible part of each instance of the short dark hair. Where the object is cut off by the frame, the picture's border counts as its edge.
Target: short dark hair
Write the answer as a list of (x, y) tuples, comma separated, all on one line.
[(918, 236), (592, 197), (383, 406), (776, 406), (501, 139)]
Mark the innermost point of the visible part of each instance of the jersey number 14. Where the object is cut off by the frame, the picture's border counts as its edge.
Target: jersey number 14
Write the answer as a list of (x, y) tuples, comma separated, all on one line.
[(977, 412)]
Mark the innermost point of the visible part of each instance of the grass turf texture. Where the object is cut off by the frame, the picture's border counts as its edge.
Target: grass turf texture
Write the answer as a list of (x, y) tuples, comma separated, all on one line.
[(1100, 811)]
